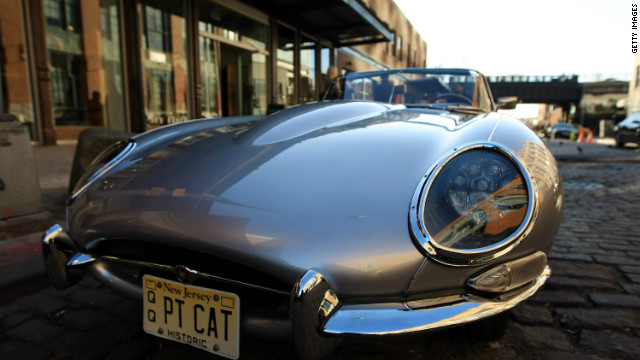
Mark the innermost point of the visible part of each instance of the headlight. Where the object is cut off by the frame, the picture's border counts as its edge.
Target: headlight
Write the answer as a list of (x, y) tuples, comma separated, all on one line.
[(102, 164), (474, 206)]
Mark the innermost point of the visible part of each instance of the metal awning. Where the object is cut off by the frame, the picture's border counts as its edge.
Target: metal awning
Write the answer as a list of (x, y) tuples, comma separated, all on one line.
[(342, 22)]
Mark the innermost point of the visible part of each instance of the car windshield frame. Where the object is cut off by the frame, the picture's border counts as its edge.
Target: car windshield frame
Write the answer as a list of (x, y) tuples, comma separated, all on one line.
[(449, 89)]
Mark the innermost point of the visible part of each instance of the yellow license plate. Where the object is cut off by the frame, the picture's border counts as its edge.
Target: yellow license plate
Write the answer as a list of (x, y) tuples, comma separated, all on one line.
[(200, 317)]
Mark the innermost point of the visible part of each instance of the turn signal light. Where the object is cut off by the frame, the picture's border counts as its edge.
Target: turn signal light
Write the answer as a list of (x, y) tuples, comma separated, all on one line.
[(511, 275)]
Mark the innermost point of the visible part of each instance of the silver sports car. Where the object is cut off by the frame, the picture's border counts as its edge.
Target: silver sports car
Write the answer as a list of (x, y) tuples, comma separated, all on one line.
[(409, 204)]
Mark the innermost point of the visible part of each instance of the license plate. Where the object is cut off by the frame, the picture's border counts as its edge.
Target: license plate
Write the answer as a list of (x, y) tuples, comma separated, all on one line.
[(204, 318)]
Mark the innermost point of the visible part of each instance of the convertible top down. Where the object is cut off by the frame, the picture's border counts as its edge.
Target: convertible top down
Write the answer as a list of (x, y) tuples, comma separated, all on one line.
[(408, 204)]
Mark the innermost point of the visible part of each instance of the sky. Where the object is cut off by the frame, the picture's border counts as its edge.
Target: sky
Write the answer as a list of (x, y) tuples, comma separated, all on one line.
[(590, 38)]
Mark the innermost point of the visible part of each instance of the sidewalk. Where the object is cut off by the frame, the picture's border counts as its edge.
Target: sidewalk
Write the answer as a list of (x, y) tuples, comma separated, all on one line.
[(20, 249)]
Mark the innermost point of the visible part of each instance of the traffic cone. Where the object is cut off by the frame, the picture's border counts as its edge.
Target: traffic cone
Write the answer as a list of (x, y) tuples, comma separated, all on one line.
[(581, 137), (590, 137)]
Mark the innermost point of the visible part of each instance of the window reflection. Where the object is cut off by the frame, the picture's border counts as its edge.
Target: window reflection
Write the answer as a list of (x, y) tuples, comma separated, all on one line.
[(113, 97), (307, 70), (15, 89), (86, 75), (234, 62), (165, 63), (328, 72), (66, 52), (210, 102), (285, 77)]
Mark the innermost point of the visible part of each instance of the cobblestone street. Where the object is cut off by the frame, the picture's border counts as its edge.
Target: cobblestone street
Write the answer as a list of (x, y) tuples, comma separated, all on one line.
[(589, 309)]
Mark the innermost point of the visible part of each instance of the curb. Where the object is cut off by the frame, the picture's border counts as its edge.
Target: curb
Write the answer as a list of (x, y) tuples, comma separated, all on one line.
[(26, 224)]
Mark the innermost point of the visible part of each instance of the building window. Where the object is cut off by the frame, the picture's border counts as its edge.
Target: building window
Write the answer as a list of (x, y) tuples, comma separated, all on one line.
[(399, 47), (329, 71), (209, 79), (165, 63), (285, 59), (86, 70), (66, 54), (63, 14), (236, 63), (15, 78), (307, 70), (157, 30), (395, 41), (638, 76)]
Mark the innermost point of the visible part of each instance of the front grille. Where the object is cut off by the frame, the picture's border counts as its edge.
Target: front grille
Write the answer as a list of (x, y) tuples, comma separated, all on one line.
[(216, 272)]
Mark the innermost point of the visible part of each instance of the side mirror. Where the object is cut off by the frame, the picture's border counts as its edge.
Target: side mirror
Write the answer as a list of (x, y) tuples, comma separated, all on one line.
[(507, 102)]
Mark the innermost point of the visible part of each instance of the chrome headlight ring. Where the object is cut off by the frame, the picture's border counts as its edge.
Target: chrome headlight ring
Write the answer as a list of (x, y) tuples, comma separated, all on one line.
[(445, 223)]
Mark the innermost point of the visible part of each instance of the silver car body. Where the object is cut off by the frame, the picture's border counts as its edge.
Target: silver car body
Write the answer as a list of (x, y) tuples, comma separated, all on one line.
[(315, 206)]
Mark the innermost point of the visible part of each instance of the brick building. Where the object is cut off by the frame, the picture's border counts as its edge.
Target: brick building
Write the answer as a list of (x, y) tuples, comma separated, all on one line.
[(68, 65)]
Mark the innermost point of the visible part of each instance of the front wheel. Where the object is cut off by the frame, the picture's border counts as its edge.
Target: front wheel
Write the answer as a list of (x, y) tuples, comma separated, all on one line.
[(489, 329)]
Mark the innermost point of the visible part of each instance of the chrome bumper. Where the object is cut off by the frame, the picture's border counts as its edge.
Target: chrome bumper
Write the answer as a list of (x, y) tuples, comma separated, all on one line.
[(65, 265), (402, 318), (317, 314), (57, 250)]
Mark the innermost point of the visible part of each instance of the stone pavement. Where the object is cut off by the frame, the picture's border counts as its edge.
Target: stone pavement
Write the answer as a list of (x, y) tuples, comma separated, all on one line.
[(589, 309)]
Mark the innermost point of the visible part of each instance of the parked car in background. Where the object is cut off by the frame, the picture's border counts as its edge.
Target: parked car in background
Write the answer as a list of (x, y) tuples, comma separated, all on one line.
[(407, 206), (628, 130), (561, 130)]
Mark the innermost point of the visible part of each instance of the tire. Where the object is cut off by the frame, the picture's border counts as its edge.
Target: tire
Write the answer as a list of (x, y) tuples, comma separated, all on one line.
[(489, 329)]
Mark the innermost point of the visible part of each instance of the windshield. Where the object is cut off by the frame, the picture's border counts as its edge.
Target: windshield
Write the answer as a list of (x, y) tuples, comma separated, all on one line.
[(440, 88)]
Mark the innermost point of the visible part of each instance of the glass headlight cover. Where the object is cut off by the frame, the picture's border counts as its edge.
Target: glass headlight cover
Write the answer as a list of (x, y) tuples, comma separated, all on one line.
[(474, 206)]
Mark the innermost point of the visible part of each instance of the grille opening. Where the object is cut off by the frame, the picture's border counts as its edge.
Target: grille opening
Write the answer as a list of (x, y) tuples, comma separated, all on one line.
[(196, 260)]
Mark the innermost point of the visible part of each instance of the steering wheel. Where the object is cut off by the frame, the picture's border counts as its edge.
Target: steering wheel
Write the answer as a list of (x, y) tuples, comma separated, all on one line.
[(453, 95)]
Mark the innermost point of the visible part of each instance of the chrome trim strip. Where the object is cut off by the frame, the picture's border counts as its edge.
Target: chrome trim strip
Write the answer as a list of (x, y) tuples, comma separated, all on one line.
[(406, 290), (80, 259), (110, 165), (495, 129), (59, 263), (169, 269), (399, 318), (113, 279), (479, 256)]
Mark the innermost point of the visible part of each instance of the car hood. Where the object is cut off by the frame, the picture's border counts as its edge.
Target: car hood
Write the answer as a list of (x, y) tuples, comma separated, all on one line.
[(325, 186)]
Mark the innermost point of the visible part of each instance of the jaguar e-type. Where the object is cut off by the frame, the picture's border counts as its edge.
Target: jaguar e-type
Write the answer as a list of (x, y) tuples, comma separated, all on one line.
[(406, 205)]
